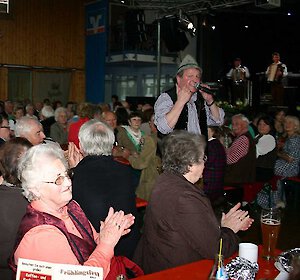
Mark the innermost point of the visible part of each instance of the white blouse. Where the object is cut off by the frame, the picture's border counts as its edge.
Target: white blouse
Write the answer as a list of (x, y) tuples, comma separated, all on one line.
[(265, 145)]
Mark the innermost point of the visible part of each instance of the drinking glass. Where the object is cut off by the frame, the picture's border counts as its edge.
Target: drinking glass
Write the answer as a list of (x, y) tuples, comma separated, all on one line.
[(270, 220)]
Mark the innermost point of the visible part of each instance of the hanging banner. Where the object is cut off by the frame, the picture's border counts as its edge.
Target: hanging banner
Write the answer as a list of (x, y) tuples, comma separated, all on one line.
[(95, 50)]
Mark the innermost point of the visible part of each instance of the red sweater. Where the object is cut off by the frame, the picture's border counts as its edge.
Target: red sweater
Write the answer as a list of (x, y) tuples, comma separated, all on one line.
[(74, 130)]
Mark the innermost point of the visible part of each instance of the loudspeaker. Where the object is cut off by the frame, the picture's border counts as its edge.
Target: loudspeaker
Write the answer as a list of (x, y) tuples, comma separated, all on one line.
[(135, 27), (174, 38)]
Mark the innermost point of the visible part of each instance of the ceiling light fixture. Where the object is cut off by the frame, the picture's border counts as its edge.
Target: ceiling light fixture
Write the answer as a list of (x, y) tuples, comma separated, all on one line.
[(187, 25)]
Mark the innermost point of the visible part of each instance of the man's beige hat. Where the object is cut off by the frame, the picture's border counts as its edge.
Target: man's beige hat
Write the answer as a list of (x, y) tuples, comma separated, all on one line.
[(188, 62)]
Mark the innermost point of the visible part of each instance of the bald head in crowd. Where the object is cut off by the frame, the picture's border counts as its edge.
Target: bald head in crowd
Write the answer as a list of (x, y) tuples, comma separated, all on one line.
[(110, 118), (31, 129)]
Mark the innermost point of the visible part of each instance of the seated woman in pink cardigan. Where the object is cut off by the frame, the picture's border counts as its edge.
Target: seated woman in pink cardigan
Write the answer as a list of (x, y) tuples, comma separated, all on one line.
[(54, 228)]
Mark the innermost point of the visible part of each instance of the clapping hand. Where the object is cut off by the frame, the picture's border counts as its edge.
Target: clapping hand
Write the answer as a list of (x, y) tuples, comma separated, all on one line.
[(236, 219), (115, 225), (74, 155)]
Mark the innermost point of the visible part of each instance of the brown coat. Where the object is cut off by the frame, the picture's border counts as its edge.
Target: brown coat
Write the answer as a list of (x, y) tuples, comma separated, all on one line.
[(147, 161), (180, 227), (124, 141)]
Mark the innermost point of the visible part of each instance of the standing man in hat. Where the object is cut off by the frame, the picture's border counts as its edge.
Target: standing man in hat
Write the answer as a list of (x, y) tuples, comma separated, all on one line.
[(182, 107), (275, 73)]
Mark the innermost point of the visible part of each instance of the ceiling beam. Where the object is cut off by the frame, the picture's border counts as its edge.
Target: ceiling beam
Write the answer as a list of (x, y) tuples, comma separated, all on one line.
[(191, 7)]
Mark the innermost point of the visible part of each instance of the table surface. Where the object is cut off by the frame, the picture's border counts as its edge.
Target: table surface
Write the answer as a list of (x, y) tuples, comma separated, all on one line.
[(201, 269)]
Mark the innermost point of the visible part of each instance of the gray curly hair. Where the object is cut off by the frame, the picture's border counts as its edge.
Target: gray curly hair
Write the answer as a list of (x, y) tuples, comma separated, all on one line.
[(32, 165), (180, 150)]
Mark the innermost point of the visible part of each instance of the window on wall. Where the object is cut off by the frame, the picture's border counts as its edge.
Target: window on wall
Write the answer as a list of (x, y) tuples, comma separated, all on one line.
[(123, 85), (108, 88), (38, 85), (126, 86), (19, 85), (149, 84), (166, 82)]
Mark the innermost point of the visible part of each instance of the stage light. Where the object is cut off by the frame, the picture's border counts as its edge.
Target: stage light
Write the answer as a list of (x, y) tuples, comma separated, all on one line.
[(187, 25)]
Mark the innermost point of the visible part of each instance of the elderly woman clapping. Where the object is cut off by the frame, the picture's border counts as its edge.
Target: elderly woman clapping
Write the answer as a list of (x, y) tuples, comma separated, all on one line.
[(54, 228), (180, 225)]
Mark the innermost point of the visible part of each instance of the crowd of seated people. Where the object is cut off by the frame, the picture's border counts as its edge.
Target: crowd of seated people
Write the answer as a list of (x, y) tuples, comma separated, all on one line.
[(54, 227), (93, 137), (30, 129), (276, 148), (180, 225)]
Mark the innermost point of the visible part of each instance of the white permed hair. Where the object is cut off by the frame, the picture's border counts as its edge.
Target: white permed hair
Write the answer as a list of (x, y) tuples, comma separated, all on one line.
[(96, 138), (34, 162)]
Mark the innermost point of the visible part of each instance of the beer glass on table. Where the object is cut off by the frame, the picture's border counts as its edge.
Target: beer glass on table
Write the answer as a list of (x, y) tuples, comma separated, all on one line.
[(270, 220)]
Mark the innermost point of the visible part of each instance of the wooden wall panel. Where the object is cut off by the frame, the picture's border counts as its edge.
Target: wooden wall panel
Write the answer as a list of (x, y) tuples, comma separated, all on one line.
[(44, 33), (3, 83), (77, 87)]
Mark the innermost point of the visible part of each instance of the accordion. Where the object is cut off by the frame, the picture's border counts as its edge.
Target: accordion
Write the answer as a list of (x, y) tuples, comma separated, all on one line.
[(275, 73)]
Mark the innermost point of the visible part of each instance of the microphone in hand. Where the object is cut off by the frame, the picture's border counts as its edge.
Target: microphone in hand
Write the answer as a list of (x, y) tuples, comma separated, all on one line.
[(199, 86)]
